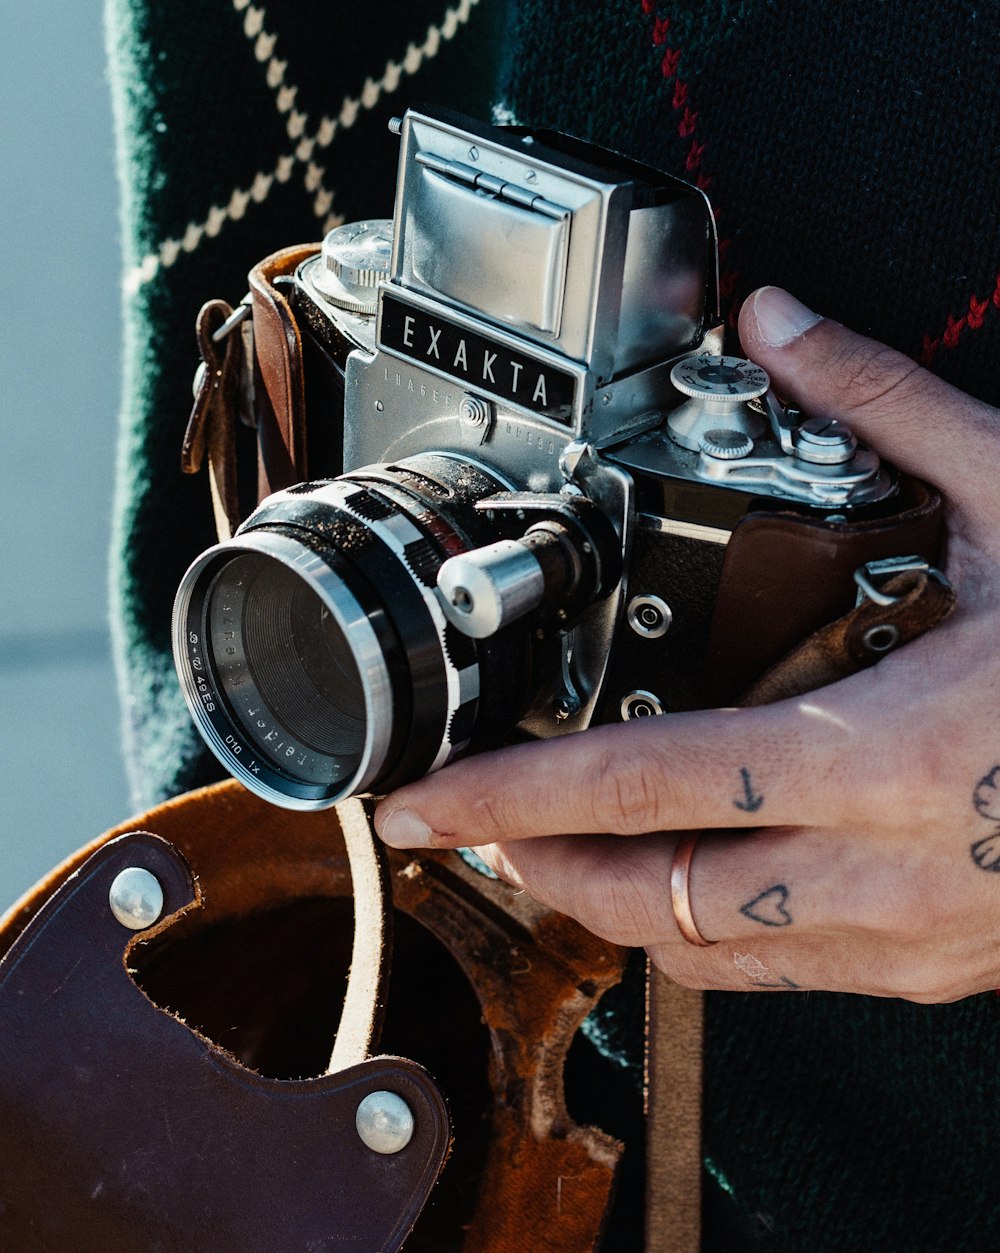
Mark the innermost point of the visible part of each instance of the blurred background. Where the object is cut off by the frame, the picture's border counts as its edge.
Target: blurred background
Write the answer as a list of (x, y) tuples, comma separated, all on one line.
[(63, 781)]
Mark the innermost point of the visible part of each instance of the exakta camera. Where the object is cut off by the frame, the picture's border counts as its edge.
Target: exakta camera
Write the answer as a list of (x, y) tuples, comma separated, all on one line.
[(528, 453)]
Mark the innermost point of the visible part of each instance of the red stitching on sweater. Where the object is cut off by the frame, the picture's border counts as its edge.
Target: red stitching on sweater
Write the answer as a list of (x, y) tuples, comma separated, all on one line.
[(977, 311), (952, 329), (928, 350), (670, 62), (687, 125), (972, 320), (693, 159)]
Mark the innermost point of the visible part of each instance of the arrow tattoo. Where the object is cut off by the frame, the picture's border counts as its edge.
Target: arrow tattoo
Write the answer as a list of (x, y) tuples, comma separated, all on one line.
[(751, 801)]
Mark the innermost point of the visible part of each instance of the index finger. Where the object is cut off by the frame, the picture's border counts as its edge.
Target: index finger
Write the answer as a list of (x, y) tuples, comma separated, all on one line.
[(780, 765)]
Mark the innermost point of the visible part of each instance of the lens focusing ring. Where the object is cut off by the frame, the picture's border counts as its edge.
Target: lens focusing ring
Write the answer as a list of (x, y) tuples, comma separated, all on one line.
[(343, 539)]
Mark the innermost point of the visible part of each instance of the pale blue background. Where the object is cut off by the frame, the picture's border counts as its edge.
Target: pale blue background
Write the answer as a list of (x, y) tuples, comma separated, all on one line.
[(62, 776)]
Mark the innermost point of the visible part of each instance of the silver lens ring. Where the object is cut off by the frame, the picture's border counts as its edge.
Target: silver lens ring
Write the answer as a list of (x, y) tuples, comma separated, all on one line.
[(201, 691)]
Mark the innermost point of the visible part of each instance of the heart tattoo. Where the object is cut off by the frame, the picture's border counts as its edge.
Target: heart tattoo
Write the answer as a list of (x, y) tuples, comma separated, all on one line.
[(770, 909)]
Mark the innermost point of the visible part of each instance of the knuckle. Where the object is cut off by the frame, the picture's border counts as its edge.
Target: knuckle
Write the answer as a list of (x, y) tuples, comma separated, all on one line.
[(493, 815), (627, 796), (926, 974), (614, 902), (909, 906)]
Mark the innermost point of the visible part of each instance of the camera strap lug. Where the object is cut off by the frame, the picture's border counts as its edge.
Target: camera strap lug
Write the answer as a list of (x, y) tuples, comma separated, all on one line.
[(873, 575), (239, 315), (915, 598)]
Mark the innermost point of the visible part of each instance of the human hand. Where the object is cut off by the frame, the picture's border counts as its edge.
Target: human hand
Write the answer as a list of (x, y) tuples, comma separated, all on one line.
[(878, 867)]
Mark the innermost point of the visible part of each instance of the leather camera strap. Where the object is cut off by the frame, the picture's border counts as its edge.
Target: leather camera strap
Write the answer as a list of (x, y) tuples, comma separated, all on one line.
[(371, 955), (279, 400), (121, 1123), (281, 412), (918, 601), (211, 429), (786, 575)]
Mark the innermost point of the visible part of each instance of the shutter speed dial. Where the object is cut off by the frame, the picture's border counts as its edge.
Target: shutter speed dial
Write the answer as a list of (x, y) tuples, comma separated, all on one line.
[(719, 391)]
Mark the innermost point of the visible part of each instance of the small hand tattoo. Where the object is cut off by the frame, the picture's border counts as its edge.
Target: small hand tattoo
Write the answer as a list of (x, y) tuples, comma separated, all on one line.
[(758, 974), (986, 853), (986, 799), (751, 801), (770, 908)]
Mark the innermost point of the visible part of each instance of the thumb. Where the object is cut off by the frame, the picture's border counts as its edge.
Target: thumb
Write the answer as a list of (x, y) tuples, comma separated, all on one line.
[(916, 420)]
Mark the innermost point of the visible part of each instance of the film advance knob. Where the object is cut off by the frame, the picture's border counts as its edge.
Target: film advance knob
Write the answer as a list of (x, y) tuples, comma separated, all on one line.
[(719, 390), (356, 257)]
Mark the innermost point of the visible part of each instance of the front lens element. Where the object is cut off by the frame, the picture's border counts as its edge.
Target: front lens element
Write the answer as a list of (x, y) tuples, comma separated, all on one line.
[(277, 646)]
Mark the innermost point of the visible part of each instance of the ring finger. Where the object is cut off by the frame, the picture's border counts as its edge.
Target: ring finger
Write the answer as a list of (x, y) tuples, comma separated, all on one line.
[(776, 888)]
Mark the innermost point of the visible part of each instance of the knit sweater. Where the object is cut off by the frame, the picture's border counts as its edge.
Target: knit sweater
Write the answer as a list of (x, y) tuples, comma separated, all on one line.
[(851, 155)]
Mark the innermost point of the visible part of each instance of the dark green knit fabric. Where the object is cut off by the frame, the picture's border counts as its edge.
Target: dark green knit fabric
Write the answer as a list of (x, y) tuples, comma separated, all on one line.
[(224, 112), (851, 152)]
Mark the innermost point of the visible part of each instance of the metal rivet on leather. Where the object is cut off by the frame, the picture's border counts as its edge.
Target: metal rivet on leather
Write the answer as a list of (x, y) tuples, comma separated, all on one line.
[(882, 638), (136, 898), (385, 1122)]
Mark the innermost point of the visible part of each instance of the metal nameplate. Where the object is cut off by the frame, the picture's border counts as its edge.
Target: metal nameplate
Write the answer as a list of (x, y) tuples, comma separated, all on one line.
[(476, 361)]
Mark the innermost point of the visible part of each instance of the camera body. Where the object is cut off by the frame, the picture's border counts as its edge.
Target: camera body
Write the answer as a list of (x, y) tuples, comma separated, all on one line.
[(527, 455)]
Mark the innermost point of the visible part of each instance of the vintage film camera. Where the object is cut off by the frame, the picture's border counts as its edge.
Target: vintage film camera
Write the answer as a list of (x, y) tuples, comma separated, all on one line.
[(527, 458)]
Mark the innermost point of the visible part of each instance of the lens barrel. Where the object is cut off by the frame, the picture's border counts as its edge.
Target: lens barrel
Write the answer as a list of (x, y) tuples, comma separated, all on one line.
[(312, 649)]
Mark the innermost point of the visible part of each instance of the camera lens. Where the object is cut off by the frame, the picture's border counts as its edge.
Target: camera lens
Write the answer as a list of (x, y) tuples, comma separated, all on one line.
[(313, 651), (286, 653)]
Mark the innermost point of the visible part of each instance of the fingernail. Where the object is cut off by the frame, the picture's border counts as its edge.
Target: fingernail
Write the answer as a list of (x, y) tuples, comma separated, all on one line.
[(780, 317), (402, 828)]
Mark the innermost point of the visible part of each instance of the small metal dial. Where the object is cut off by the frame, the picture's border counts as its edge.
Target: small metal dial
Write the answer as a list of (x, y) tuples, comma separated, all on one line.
[(723, 378), (725, 445), (356, 258), (719, 392)]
